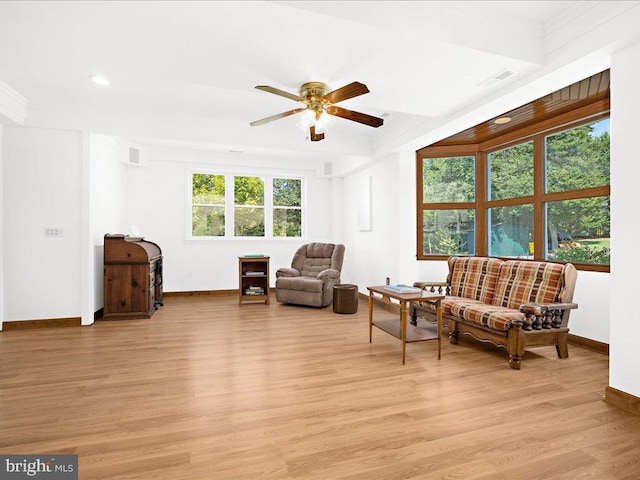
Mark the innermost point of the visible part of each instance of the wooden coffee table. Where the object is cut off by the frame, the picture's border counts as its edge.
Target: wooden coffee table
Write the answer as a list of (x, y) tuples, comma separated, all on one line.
[(398, 327)]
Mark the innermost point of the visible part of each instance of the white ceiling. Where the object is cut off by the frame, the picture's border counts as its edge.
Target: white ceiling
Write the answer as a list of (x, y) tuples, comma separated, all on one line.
[(186, 71)]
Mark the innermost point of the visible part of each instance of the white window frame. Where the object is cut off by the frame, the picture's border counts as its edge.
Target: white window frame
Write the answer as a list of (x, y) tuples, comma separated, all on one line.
[(230, 205)]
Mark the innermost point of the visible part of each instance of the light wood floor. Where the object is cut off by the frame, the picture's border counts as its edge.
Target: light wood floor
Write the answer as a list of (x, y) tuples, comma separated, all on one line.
[(210, 390)]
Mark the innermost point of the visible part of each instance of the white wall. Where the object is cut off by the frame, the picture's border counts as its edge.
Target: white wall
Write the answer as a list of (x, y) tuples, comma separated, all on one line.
[(373, 255), (625, 228), (592, 319), (1, 235), (41, 187), (157, 201), (108, 197)]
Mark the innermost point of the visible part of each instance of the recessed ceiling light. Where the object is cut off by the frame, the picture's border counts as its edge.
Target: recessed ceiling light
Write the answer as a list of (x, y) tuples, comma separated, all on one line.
[(100, 80), (502, 120)]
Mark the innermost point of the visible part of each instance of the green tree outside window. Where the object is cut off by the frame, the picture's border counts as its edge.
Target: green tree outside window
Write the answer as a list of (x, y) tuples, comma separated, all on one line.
[(287, 211), (207, 205), (248, 206)]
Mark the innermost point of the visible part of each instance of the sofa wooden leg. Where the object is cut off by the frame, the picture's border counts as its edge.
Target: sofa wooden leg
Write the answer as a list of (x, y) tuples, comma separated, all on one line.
[(514, 361), (453, 332), (561, 346)]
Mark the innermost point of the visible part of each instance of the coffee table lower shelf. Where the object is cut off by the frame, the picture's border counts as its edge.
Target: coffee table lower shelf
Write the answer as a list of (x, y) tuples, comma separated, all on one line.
[(418, 333)]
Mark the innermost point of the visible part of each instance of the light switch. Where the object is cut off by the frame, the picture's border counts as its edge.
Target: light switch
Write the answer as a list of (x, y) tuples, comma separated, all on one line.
[(53, 232)]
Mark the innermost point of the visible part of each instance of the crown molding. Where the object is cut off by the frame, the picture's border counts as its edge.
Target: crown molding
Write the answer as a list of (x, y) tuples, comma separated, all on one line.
[(13, 106)]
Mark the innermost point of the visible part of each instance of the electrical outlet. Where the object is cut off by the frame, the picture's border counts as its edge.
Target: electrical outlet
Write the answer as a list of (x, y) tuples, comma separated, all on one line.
[(53, 232)]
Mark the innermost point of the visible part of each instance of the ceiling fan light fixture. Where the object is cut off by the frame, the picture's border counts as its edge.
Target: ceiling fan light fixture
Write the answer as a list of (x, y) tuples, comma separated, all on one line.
[(307, 120), (318, 118), (324, 122)]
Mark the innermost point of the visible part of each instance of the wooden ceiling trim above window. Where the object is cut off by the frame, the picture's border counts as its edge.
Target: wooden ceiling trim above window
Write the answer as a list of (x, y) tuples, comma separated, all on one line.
[(566, 120), (588, 92), (449, 151)]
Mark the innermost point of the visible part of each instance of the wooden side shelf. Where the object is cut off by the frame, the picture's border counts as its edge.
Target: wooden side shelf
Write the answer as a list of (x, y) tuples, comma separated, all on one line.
[(253, 275)]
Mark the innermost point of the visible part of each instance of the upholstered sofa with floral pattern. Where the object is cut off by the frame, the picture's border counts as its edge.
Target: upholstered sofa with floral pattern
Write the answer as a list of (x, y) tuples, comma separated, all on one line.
[(513, 304)]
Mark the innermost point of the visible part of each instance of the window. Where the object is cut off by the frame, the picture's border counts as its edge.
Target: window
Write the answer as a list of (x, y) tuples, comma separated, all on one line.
[(511, 172), (448, 196), (544, 196), (577, 172), (287, 207), (248, 202), (511, 231), (449, 179), (511, 226), (207, 205), (234, 206), (449, 232)]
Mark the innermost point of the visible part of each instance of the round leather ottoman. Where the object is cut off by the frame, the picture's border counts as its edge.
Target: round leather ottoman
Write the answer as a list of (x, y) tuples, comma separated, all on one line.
[(345, 298)]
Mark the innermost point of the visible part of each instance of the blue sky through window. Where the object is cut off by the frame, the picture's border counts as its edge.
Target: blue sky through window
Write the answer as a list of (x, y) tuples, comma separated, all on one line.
[(600, 127)]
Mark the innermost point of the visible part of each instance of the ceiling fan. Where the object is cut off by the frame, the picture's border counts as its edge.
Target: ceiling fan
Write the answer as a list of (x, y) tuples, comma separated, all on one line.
[(319, 102)]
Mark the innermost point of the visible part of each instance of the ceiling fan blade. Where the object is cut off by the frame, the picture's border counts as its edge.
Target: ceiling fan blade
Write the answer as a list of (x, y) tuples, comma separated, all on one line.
[(348, 91), (315, 137), (355, 116), (277, 91), (276, 117)]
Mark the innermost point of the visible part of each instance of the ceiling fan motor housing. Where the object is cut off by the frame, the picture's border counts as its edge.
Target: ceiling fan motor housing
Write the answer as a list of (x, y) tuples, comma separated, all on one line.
[(314, 89), (312, 93)]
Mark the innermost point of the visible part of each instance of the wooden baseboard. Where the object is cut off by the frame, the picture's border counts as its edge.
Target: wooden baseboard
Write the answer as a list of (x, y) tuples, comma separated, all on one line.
[(625, 401), (12, 325), (589, 344), (201, 292)]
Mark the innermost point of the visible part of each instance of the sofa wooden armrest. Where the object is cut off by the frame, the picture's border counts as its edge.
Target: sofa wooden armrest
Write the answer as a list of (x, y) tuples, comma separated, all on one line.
[(434, 287), (545, 316)]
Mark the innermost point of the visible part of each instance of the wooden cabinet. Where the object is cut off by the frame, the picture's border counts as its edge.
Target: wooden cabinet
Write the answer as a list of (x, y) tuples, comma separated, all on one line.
[(132, 277), (253, 279)]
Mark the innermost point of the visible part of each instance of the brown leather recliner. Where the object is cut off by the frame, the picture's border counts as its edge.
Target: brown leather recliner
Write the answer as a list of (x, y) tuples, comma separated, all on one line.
[(315, 270)]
